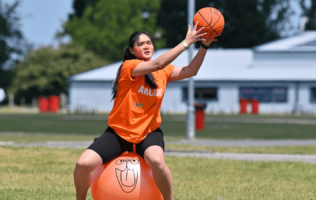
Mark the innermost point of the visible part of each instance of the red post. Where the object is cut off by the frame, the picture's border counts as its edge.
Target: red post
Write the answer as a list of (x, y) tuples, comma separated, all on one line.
[(199, 116), (254, 106), (42, 104), (243, 106), (53, 104)]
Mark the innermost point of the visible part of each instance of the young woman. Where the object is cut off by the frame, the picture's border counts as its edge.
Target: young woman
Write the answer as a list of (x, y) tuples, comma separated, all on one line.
[(135, 119)]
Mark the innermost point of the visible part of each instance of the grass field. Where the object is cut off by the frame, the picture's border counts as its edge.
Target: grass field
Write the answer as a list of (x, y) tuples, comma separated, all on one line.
[(96, 124), (41, 173)]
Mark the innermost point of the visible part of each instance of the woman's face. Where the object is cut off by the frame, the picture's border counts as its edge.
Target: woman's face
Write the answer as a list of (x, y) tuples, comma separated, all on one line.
[(143, 48)]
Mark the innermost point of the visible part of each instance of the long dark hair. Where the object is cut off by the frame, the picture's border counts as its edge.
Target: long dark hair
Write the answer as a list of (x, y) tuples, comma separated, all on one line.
[(150, 79)]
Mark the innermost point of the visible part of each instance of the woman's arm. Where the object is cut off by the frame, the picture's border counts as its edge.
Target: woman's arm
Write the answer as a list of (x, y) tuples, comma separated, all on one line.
[(180, 73), (166, 58)]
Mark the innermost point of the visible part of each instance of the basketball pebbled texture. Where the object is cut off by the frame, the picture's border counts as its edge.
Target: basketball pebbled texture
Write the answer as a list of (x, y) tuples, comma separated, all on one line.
[(210, 18)]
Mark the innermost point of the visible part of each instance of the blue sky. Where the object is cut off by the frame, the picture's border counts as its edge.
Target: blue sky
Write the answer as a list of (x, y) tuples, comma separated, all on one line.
[(41, 19)]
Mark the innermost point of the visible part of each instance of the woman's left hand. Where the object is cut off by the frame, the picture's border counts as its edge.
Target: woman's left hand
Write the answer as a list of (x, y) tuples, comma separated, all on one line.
[(207, 42)]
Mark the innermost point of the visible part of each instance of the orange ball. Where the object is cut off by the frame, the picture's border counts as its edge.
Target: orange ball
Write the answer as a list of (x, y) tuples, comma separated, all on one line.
[(210, 18), (127, 177)]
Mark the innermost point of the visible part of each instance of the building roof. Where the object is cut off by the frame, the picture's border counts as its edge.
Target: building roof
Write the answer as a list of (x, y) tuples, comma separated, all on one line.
[(305, 41), (218, 60), (105, 73)]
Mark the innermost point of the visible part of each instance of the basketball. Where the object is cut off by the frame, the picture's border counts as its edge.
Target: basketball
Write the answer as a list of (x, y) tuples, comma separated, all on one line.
[(213, 21)]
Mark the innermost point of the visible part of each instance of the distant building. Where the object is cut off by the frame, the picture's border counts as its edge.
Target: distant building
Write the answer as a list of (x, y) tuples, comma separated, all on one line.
[(280, 74), (2, 95)]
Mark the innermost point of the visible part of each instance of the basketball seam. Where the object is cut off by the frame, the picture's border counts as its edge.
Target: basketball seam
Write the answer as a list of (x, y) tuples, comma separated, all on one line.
[(211, 34), (219, 27), (205, 20), (216, 21), (211, 16), (207, 23)]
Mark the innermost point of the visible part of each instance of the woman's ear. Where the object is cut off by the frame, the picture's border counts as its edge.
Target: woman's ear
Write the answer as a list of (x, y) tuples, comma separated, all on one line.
[(131, 50)]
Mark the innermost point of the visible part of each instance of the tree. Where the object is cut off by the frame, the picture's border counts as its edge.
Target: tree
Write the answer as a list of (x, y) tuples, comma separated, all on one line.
[(310, 12), (105, 26), (102, 25), (248, 22), (6, 77), (45, 71), (80, 5), (12, 44)]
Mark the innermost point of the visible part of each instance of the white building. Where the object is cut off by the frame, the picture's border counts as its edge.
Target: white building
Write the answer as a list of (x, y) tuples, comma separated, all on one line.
[(280, 74)]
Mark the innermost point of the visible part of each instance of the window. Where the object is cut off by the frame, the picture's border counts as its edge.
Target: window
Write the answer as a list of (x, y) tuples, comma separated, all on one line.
[(313, 95), (202, 94), (264, 94)]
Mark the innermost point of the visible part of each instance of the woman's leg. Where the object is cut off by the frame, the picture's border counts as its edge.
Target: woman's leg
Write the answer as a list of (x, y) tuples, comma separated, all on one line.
[(87, 162), (105, 148), (155, 159)]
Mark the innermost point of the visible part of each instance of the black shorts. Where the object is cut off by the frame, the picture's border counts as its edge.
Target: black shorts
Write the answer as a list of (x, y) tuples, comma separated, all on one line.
[(110, 145)]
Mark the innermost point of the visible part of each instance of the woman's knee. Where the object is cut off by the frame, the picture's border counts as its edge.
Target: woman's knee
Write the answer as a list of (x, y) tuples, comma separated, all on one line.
[(88, 161), (83, 165), (155, 159)]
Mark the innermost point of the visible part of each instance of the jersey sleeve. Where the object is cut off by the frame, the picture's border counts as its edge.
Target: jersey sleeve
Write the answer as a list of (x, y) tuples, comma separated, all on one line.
[(168, 71), (127, 68)]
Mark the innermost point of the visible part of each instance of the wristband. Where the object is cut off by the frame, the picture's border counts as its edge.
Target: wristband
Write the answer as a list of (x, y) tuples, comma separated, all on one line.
[(204, 46), (185, 44)]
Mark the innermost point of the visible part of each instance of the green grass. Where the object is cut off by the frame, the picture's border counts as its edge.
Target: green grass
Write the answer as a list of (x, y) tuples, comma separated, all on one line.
[(96, 124), (41, 173), (37, 173), (52, 123)]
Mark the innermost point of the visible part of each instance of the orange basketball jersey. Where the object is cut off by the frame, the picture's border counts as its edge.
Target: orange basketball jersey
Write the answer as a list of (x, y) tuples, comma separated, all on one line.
[(136, 110)]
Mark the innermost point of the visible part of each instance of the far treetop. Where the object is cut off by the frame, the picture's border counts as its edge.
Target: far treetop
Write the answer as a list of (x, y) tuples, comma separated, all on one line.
[(105, 26)]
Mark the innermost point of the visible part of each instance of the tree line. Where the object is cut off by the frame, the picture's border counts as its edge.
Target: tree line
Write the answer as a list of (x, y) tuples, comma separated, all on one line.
[(100, 30)]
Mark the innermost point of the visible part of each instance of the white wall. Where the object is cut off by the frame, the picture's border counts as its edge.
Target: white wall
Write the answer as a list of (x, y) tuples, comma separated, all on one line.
[(305, 103), (227, 101), (90, 95), (172, 101), (228, 97)]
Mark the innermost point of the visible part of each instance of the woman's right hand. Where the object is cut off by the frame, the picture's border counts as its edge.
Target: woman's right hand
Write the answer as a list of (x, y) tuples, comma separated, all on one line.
[(194, 35)]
